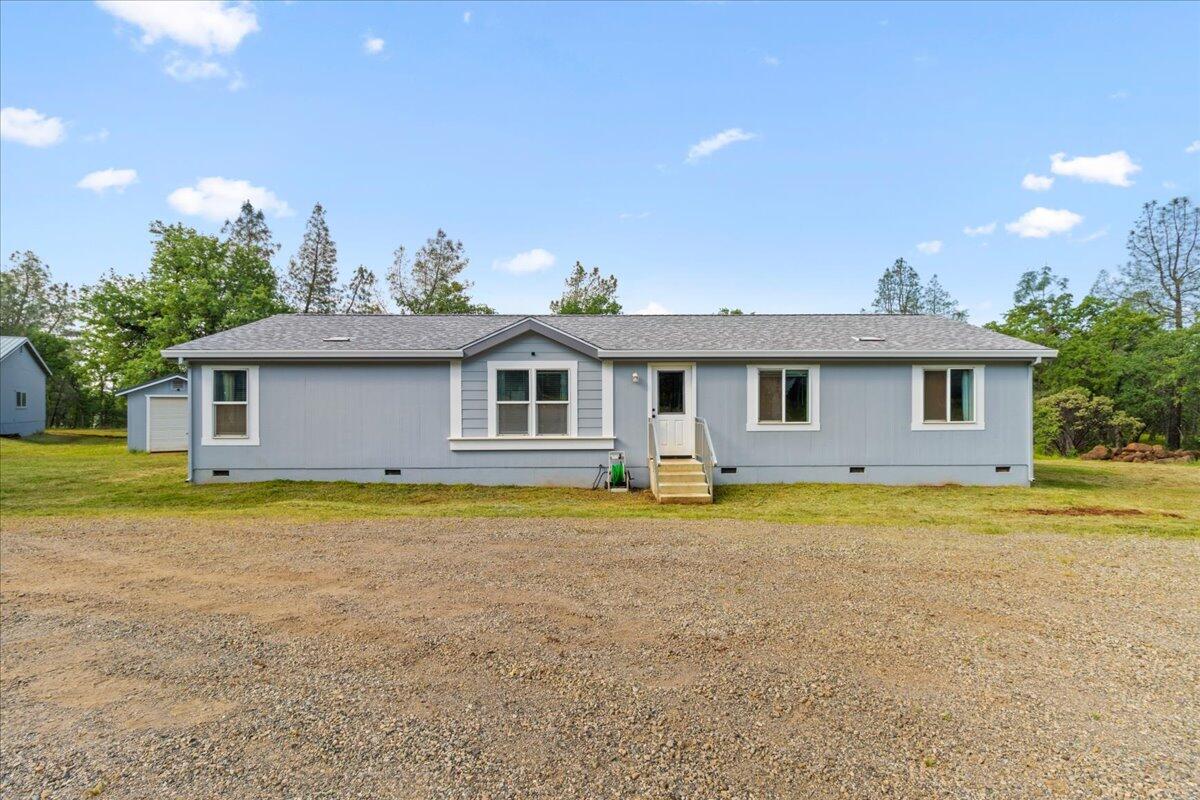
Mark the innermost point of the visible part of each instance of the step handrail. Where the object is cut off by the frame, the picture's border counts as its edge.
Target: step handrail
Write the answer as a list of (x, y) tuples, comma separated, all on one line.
[(705, 452), (653, 457)]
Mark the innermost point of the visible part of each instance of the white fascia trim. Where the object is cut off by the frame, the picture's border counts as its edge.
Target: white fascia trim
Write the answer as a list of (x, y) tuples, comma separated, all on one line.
[(312, 355), (814, 400), (889, 355), (572, 393), (206, 418), (456, 398), (918, 399), (532, 443), (141, 386), (606, 398)]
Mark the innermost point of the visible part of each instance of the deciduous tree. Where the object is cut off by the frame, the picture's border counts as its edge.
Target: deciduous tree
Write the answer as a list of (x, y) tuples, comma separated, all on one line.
[(432, 283)]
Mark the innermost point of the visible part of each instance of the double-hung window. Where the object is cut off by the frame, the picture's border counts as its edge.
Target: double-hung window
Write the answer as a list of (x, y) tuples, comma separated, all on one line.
[(22, 400), (782, 397), (533, 400), (229, 403), (947, 397)]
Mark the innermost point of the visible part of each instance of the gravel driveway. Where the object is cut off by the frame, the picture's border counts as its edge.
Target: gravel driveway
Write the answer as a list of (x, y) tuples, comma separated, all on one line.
[(563, 658)]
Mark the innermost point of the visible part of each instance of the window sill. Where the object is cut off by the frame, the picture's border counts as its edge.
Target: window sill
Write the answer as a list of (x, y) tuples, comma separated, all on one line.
[(788, 427), (947, 426), (468, 443), (236, 441)]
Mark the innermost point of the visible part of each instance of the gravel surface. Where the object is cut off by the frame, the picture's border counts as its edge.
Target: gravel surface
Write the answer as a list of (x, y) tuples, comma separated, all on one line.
[(565, 658)]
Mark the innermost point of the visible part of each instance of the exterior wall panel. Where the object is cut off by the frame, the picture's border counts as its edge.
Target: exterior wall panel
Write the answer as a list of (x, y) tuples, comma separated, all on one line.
[(135, 412), (21, 372)]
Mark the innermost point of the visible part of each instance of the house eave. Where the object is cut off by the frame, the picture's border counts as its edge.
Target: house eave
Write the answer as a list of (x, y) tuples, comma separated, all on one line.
[(311, 355)]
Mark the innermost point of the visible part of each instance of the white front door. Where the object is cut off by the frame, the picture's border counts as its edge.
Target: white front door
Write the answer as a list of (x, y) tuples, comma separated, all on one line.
[(672, 401)]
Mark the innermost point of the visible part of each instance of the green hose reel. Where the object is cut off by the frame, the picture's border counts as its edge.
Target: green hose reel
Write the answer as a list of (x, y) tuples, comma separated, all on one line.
[(616, 473)]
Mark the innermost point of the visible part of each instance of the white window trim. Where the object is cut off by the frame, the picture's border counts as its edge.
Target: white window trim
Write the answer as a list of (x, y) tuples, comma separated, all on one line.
[(814, 399), (207, 437), (689, 401), (918, 399), (571, 368)]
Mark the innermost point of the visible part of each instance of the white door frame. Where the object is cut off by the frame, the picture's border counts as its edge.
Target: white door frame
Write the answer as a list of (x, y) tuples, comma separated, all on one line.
[(149, 416), (675, 433)]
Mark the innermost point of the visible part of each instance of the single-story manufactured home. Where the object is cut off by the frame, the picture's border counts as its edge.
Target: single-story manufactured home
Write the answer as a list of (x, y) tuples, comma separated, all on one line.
[(23, 376), (691, 400), (156, 415)]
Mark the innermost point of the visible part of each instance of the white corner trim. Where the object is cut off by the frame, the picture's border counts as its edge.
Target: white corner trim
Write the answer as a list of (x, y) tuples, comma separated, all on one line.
[(462, 443), (814, 400), (606, 398), (572, 368), (918, 399), (206, 417), (456, 398)]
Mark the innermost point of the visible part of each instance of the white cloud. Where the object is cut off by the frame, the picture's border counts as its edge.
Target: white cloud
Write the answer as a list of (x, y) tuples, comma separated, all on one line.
[(771, 61), (653, 308), (980, 230), (1094, 235), (207, 25), (1194, 147), (1111, 168), (1042, 222), (102, 180), (373, 45), (467, 17), (930, 248), (220, 199), (1036, 183), (631, 215), (31, 127), (712, 144), (526, 263), (187, 70)]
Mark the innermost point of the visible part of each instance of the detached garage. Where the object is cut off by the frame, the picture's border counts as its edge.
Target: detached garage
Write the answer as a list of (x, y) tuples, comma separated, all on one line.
[(157, 414)]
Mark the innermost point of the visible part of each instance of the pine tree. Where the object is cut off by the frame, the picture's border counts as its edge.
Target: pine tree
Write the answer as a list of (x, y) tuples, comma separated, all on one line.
[(362, 293), (431, 285), (587, 293), (937, 301), (898, 290), (311, 285), (250, 230)]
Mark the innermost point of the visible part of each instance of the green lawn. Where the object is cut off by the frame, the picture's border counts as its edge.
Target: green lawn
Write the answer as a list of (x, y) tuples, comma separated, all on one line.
[(89, 474)]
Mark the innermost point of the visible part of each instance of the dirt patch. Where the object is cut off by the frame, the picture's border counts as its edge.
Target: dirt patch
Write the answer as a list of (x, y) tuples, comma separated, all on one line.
[(1086, 511), (569, 658)]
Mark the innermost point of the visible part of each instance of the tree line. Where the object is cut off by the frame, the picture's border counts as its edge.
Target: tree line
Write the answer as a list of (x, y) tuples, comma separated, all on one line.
[(109, 334), (1129, 363)]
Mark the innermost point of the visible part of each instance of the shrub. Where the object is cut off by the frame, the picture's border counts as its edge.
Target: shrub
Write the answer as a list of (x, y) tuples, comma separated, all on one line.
[(1072, 420)]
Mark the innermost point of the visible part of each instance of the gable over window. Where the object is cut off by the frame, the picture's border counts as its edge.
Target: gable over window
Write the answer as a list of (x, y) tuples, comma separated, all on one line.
[(947, 397), (783, 397)]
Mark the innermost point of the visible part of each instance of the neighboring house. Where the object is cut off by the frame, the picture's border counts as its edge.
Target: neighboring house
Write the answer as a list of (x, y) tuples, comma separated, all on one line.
[(23, 376), (156, 414), (543, 399)]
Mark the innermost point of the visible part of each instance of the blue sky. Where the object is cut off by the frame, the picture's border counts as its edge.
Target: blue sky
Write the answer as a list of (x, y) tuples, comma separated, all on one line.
[(825, 140)]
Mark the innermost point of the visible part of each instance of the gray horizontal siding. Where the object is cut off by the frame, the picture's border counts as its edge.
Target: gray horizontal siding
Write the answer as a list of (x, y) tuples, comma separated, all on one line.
[(135, 412), (21, 372), (530, 347)]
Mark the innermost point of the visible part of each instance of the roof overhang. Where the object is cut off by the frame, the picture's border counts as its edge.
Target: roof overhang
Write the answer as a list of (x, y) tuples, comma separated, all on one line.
[(148, 384), (488, 342)]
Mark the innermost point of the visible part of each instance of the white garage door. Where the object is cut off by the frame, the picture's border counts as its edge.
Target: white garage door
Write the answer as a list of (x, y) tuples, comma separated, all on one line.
[(166, 424)]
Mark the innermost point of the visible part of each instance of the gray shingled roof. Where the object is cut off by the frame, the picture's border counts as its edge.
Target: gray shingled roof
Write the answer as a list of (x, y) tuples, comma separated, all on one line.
[(661, 334)]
